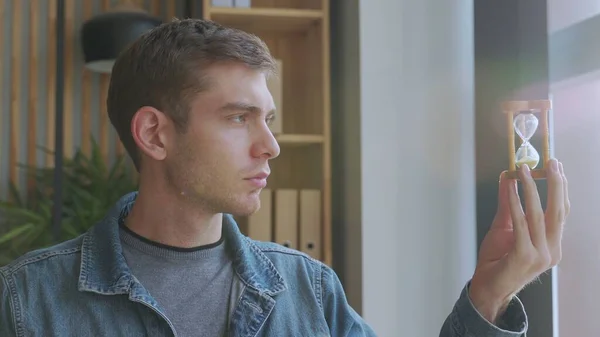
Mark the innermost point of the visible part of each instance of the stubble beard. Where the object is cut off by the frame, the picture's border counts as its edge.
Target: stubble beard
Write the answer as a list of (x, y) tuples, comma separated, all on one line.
[(206, 186), (209, 192)]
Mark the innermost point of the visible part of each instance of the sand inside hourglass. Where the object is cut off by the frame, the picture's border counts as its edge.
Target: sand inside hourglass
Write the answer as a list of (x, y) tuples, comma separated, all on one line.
[(529, 161)]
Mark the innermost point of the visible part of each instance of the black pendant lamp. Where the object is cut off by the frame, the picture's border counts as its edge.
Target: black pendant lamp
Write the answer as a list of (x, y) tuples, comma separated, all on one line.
[(104, 36)]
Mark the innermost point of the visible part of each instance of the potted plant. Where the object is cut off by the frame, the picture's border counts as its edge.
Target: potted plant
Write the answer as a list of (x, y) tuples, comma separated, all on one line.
[(90, 188)]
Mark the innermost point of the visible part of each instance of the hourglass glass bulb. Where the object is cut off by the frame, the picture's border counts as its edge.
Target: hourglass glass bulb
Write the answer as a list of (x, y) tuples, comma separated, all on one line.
[(525, 125), (526, 154)]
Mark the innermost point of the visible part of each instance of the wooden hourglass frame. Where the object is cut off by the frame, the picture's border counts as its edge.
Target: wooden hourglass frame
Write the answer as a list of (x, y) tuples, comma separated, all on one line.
[(541, 110)]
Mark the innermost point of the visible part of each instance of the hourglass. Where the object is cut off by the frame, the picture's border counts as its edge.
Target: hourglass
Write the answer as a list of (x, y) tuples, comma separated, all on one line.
[(524, 118)]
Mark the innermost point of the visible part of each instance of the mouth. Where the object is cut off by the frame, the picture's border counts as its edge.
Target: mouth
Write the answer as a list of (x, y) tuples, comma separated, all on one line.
[(259, 180)]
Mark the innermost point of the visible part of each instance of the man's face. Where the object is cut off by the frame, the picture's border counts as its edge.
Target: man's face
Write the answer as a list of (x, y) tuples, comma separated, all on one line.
[(221, 160)]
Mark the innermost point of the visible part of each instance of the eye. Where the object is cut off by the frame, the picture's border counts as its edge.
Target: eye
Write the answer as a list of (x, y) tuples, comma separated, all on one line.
[(270, 119), (239, 118)]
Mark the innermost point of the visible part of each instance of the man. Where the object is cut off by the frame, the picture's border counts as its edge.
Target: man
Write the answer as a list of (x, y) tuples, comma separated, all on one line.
[(190, 103)]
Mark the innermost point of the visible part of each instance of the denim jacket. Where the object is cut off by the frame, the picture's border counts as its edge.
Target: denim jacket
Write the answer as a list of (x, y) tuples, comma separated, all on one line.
[(83, 287)]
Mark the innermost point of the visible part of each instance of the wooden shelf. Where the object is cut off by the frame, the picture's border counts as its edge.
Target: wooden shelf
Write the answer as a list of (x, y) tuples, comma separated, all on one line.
[(299, 140), (266, 19), (297, 35)]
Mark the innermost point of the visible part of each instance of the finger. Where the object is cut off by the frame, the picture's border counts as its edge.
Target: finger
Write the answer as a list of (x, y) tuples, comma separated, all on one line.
[(533, 209), (565, 190), (555, 206), (520, 230), (503, 210)]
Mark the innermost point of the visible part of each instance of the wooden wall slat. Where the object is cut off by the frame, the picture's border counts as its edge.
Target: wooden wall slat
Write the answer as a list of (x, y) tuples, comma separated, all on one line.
[(2, 67), (15, 90), (29, 106), (104, 121), (34, 18), (86, 123), (120, 148), (326, 203), (171, 10), (51, 80), (155, 7), (70, 36)]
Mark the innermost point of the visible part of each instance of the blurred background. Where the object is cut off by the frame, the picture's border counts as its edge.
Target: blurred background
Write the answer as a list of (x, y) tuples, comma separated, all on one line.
[(392, 133)]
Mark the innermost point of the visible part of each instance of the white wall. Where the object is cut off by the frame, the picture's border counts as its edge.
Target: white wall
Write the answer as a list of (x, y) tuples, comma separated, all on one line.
[(564, 13), (415, 200), (416, 162), (577, 143), (577, 118)]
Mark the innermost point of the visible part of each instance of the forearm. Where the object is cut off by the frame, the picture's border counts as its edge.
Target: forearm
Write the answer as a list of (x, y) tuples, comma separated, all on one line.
[(466, 321)]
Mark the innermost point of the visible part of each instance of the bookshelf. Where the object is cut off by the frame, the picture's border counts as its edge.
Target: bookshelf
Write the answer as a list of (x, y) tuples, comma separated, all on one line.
[(297, 33)]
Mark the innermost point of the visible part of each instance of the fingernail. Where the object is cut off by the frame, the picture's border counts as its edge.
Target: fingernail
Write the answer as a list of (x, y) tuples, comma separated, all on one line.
[(560, 168), (553, 165)]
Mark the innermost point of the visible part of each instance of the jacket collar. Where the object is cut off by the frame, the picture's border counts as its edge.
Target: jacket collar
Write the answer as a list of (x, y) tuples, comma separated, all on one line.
[(105, 271)]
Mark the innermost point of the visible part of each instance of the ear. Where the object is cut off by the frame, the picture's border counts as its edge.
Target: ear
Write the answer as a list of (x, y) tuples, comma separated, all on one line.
[(149, 128)]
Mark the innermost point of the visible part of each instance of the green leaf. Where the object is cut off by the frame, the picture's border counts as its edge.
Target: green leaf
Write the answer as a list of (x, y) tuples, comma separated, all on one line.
[(116, 169), (90, 188), (14, 194), (16, 232), (45, 209), (69, 228), (45, 150), (16, 213)]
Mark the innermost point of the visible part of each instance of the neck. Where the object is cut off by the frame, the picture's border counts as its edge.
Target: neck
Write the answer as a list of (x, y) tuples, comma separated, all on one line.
[(170, 219)]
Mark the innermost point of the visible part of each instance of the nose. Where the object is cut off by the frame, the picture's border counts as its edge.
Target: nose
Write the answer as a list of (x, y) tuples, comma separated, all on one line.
[(266, 145)]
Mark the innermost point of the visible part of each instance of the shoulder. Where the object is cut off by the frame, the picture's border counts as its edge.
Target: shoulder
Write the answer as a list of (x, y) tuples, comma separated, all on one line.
[(292, 263), (315, 283), (63, 254), (278, 253)]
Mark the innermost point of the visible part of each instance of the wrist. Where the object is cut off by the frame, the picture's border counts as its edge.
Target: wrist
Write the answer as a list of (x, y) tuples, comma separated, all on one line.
[(489, 305)]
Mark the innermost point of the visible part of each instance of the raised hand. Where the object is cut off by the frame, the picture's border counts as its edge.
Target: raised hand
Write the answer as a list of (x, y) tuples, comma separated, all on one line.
[(520, 245)]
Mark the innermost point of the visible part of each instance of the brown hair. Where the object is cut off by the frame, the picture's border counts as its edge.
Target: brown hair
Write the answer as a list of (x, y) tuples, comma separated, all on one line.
[(163, 69)]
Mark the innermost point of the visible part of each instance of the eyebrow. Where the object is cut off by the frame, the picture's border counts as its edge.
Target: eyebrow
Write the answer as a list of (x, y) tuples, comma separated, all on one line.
[(241, 106)]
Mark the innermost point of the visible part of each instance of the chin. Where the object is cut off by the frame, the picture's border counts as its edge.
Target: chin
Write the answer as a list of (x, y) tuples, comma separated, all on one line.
[(239, 211), (245, 207)]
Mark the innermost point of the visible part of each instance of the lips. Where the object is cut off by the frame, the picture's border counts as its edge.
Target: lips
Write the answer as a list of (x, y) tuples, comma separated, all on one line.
[(259, 180), (262, 175)]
